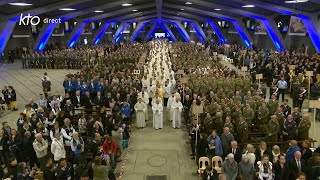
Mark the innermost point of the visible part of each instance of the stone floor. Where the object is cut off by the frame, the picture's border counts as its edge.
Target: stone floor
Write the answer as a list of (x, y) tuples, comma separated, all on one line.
[(151, 152)]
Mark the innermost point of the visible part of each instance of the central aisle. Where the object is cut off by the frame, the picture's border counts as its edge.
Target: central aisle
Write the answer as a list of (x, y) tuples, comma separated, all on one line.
[(159, 152), (165, 151)]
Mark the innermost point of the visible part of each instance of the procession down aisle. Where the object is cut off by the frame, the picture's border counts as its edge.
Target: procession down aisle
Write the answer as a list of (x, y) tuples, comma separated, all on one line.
[(159, 152)]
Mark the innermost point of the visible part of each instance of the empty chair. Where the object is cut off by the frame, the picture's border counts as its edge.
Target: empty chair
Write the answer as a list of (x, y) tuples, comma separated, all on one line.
[(217, 163)]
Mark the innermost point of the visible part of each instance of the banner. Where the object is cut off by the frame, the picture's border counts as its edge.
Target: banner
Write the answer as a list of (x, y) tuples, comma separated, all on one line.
[(297, 27), (259, 28)]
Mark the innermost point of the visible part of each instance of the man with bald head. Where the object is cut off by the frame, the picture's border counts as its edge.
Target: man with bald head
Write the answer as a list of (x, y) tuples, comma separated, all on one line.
[(296, 166), (40, 146)]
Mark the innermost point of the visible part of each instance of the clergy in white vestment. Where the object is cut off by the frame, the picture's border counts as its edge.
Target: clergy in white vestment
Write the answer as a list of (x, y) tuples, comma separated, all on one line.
[(171, 99), (177, 110), (139, 107), (157, 109), (145, 99)]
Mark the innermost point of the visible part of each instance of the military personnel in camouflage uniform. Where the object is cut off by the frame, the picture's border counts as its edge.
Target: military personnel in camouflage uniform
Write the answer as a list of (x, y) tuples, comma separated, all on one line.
[(303, 128), (263, 116), (229, 124), (296, 115), (272, 129), (208, 124), (242, 130), (273, 105), (248, 114), (280, 117), (218, 123)]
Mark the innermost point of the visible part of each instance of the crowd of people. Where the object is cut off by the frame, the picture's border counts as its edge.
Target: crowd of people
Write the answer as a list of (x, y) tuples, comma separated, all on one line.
[(82, 133)]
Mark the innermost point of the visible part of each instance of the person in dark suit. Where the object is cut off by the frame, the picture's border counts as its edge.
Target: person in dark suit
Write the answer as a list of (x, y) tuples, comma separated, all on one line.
[(98, 100), (261, 151), (77, 100), (296, 165), (210, 174), (280, 168), (236, 151), (87, 101)]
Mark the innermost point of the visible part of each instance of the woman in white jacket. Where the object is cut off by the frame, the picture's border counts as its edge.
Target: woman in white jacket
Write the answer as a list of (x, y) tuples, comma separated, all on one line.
[(57, 148)]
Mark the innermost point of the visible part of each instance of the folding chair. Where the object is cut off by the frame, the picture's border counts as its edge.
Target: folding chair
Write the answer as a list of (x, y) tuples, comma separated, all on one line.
[(217, 163), (202, 164)]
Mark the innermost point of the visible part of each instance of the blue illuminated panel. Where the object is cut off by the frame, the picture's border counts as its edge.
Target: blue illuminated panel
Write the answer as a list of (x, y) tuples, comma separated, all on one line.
[(120, 33), (103, 30), (217, 31), (152, 31), (45, 37), (76, 35), (168, 31), (242, 34), (134, 36), (275, 39), (202, 38), (185, 36), (6, 33)]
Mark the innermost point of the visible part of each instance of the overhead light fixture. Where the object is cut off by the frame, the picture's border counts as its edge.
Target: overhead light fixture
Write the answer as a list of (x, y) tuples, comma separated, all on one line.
[(135, 10), (20, 4), (249, 6), (98, 11), (217, 9), (67, 9), (182, 9), (126, 4), (295, 1), (188, 3)]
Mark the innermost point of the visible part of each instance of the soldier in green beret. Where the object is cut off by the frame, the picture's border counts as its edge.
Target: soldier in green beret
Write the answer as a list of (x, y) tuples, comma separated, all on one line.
[(229, 124), (218, 123), (208, 124)]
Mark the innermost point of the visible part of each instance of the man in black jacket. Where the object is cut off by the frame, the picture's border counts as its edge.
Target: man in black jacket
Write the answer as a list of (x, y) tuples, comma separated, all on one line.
[(236, 151), (295, 166), (262, 150), (77, 100), (4, 148), (64, 170), (95, 145)]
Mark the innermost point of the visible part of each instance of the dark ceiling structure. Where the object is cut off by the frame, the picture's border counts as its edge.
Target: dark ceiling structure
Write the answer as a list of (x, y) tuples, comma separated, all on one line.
[(159, 10)]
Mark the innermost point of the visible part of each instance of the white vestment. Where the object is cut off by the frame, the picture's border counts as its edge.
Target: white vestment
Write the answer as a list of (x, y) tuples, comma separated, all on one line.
[(169, 104), (177, 109), (140, 114), (157, 110)]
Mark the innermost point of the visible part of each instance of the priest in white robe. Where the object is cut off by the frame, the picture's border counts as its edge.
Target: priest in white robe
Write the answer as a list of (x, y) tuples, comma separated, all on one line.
[(139, 107), (171, 99), (157, 109), (177, 111)]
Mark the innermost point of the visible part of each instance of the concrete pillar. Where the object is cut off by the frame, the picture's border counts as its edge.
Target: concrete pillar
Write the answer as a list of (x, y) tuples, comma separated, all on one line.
[(119, 31), (102, 31), (6, 28), (167, 30), (216, 29), (137, 30), (274, 34), (76, 32), (199, 30), (151, 31), (45, 34), (242, 30), (312, 25), (182, 30)]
